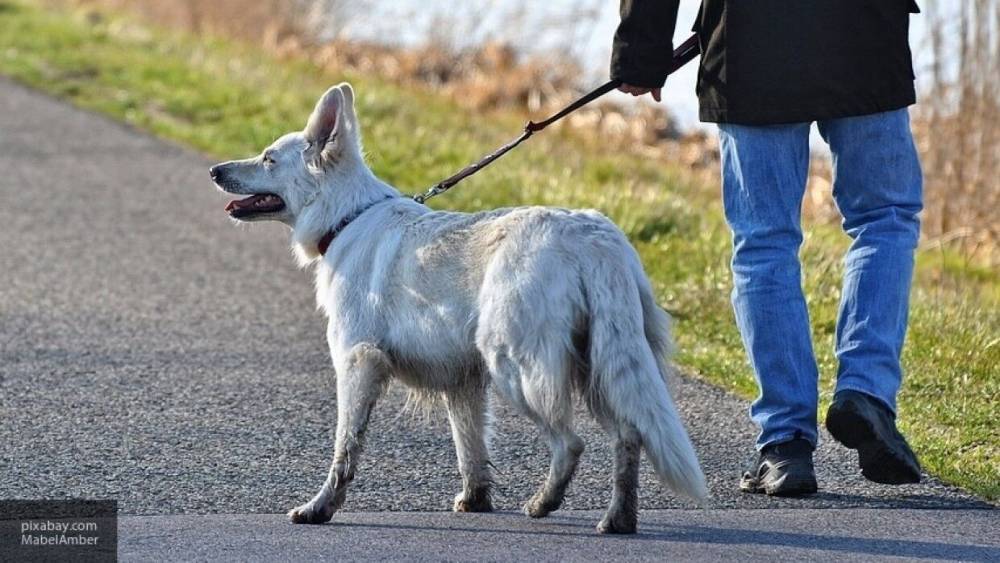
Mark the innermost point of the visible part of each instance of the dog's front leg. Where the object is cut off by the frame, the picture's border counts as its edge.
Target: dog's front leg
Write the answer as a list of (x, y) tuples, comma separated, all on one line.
[(358, 387)]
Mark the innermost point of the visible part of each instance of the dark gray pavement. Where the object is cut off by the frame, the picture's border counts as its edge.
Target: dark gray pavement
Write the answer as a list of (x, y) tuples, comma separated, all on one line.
[(665, 535), (152, 352)]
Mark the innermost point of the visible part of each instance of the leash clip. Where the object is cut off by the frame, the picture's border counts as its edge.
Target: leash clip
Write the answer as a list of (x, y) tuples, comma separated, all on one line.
[(435, 190)]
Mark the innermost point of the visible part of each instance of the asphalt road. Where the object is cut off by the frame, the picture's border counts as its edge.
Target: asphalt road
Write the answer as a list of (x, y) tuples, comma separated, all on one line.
[(664, 535), (153, 352)]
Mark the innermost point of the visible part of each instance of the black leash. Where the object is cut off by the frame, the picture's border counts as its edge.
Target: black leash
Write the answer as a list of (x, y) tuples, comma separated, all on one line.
[(683, 54)]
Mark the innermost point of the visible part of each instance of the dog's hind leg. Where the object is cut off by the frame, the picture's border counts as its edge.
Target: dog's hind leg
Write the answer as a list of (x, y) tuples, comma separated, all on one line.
[(467, 412), (623, 513), (548, 396), (524, 334), (566, 448), (358, 387), (553, 413)]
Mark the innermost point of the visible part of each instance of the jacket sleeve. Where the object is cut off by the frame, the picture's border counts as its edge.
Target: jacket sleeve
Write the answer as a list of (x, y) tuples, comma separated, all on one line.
[(642, 50)]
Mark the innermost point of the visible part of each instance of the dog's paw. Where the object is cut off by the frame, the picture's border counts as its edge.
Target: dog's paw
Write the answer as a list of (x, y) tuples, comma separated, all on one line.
[(309, 513), (617, 524), (540, 507), (477, 502)]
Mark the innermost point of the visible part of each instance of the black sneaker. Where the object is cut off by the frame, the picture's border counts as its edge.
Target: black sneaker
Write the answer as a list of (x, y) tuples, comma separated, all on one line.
[(862, 423), (784, 470)]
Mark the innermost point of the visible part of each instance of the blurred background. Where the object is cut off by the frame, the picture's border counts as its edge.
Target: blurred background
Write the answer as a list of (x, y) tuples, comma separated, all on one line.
[(536, 56)]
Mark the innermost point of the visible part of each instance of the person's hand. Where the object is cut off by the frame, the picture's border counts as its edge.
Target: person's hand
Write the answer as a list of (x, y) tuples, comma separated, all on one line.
[(640, 91)]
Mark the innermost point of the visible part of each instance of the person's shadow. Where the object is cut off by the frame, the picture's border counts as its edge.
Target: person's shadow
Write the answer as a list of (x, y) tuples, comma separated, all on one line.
[(909, 501), (834, 543)]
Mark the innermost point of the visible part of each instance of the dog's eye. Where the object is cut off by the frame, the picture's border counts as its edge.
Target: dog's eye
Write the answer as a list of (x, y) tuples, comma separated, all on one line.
[(268, 160)]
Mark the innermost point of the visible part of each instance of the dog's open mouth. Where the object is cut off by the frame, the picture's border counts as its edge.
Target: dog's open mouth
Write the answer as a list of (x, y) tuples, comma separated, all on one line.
[(257, 204)]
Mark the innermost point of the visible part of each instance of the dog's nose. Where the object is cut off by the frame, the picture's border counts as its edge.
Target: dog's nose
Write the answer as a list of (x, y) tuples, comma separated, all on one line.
[(215, 172)]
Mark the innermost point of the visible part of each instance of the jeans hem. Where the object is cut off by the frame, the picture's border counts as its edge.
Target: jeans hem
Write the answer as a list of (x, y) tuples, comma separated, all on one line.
[(788, 437), (867, 391)]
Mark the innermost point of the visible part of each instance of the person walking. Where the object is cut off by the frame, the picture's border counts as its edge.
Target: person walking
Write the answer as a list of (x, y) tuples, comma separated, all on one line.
[(769, 69)]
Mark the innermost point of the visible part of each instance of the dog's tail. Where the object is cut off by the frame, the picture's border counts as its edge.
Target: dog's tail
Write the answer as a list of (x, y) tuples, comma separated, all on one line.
[(628, 347)]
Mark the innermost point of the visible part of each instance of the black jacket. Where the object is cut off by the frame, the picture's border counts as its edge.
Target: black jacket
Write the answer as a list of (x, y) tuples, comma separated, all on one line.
[(777, 61)]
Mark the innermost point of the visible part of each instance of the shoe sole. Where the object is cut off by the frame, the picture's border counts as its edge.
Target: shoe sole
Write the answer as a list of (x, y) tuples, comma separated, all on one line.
[(784, 488), (880, 462)]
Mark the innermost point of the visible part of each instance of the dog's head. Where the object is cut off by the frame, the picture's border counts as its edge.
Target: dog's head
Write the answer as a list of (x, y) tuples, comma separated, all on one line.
[(291, 173)]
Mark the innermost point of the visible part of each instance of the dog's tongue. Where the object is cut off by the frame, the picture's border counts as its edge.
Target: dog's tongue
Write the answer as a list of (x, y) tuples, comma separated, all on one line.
[(254, 201)]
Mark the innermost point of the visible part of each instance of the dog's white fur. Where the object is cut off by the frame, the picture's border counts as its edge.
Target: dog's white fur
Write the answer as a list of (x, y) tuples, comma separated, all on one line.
[(543, 303)]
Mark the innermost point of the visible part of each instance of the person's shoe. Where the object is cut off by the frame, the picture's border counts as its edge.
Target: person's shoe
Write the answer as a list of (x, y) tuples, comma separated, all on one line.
[(784, 470), (861, 423)]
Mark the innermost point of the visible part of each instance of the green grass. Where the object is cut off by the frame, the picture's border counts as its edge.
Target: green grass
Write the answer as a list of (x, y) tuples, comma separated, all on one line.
[(230, 100)]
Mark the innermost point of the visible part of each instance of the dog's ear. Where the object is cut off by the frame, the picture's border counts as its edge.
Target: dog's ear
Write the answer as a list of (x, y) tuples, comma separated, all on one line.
[(350, 123), (348, 92), (321, 130)]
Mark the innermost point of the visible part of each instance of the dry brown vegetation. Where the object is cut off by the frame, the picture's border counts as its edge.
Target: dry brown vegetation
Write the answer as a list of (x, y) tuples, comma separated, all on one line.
[(956, 123), (958, 129), (487, 76)]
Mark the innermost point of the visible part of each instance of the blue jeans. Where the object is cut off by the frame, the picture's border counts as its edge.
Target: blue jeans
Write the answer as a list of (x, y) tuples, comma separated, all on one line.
[(878, 189)]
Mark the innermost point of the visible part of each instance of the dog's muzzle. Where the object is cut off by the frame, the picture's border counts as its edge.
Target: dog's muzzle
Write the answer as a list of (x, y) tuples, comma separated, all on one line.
[(251, 206)]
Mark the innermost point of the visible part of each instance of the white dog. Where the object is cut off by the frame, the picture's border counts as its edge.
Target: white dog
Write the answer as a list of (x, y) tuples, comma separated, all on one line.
[(543, 303)]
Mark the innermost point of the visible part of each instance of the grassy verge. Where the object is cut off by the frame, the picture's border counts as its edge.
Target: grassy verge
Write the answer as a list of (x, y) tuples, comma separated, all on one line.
[(230, 100)]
